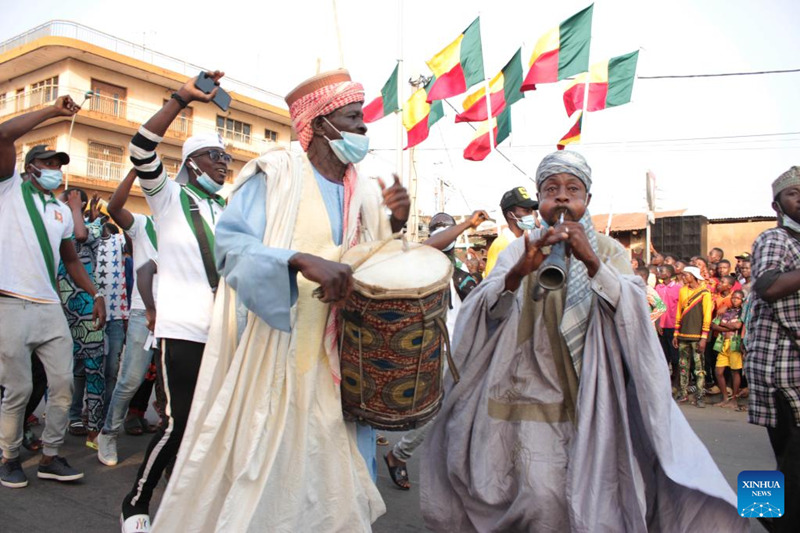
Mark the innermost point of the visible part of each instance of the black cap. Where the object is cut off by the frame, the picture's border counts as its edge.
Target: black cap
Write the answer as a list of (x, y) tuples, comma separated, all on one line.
[(40, 151), (518, 196), (441, 220), (745, 256)]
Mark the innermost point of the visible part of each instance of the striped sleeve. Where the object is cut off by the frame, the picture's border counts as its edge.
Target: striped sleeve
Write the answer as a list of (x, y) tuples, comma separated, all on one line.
[(152, 176)]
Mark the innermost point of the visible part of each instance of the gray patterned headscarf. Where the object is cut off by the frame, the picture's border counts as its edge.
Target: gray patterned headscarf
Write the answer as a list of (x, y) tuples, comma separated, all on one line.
[(575, 319)]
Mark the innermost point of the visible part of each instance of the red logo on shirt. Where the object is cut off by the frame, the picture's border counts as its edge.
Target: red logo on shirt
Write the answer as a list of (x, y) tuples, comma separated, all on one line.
[(58, 216)]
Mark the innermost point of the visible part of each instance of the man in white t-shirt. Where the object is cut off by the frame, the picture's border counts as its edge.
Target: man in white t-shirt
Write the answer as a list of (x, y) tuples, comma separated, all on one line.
[(185, 212), (36, 234), (138, 354)]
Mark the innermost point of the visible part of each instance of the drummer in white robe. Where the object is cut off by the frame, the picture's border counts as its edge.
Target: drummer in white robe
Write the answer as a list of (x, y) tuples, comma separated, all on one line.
[(267, 448)]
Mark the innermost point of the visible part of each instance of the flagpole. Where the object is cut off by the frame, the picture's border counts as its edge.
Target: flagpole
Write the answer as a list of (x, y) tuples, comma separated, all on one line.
[(400, 94), (338, 34), (413, 220)]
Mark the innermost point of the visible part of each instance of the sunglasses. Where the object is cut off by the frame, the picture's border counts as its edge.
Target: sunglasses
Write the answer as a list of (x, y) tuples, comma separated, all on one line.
[(216, 155)]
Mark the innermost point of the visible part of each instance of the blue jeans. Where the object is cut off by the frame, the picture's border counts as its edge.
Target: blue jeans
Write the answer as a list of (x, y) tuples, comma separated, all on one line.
[(135, 364), (115, 339)]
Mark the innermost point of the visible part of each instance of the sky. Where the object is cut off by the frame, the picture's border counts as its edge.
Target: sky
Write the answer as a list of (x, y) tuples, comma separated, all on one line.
[(712, 143)]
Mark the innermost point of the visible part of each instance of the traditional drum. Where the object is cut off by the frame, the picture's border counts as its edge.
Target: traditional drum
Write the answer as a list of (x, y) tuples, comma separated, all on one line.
[(394, 334)]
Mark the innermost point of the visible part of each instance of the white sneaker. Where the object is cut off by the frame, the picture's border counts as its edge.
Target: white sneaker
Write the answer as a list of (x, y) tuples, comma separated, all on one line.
[(138, 523), (107, 449)]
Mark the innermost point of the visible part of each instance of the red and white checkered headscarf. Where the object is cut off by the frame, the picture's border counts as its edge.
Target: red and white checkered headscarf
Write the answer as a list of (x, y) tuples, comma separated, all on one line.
[(320, 95)]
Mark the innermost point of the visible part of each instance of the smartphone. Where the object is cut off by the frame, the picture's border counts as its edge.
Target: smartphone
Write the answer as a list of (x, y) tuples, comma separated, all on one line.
[(206, 84)]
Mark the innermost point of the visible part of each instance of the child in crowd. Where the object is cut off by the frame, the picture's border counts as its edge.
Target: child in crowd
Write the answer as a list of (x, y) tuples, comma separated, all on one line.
[(728, 325), (657, 307)]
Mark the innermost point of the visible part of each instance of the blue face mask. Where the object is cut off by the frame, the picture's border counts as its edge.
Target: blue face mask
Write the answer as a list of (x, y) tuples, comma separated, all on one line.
[(204, 180), (528, 222), (208, 184), (49, 178), (351, 148)]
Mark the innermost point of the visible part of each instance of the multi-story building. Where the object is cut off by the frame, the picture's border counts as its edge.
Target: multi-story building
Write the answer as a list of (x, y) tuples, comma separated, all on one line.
[(120, 86)]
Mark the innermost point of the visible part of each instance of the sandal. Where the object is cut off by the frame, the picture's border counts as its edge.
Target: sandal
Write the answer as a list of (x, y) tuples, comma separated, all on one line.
[(147, 427), (78, 429), (30, 442), (133, 426), (381, 441), (399, 474)]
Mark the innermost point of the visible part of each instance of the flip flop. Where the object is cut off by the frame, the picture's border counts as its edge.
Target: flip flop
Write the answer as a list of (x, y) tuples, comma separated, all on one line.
[(133, 426), (398, 474)]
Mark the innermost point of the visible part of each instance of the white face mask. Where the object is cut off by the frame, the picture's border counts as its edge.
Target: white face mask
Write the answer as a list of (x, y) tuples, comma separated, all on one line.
[(527, 222), (789, 223)]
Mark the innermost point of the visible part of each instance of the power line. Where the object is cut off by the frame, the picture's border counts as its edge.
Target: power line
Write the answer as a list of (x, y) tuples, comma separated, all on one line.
[(719, 75)]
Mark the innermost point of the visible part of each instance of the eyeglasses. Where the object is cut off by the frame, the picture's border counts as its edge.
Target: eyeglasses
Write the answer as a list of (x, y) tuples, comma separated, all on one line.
[(216, 155)]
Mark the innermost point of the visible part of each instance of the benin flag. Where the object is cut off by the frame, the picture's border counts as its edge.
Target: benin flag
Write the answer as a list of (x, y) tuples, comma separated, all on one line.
[(459, 66), (419, 115), (386, 103), (503, 91), (562, 52), (573, 135), (479, 148), (610, 84)]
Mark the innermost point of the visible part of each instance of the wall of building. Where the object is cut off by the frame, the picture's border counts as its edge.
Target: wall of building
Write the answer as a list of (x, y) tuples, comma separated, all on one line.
[(736, 237)]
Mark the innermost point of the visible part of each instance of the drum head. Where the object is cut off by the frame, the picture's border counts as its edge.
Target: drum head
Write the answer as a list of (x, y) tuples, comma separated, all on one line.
[(397, 271)]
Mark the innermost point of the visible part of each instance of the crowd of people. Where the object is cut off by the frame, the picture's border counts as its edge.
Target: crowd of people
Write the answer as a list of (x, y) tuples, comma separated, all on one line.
[(226, 311)]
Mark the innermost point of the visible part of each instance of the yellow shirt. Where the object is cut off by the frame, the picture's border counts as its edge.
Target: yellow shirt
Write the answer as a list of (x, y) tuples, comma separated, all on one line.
[(500, 243)]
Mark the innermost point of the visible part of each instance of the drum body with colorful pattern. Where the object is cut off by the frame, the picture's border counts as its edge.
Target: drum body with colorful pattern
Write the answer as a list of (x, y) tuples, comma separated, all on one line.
[(394, 334)]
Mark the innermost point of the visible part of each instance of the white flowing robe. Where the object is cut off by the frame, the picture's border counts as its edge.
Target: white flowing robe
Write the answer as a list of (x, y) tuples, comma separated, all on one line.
[(266, 447), (523, 443)]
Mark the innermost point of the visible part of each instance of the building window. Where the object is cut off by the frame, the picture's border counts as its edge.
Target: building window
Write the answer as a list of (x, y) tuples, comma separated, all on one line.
[(271, 135), (182, 125), (109, 99), (233, 129), (19, 101), (2, 103), (171, 165), (44, 91), (105, 162)]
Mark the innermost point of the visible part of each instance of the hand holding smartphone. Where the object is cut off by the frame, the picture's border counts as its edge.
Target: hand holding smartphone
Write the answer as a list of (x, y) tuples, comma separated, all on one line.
[(206, 84)]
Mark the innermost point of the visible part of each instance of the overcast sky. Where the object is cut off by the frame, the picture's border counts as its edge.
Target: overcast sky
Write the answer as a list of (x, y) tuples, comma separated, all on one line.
[(710, 141)]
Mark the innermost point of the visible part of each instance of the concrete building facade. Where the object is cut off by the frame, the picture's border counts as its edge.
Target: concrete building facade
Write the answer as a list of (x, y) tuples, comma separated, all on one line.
[(121, 85)]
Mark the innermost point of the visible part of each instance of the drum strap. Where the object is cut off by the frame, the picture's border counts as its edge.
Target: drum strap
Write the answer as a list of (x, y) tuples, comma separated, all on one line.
[(446, 335)]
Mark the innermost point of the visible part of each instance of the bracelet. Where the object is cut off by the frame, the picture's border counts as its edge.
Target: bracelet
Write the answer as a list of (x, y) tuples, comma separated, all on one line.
[(178, 98), (99, 294)]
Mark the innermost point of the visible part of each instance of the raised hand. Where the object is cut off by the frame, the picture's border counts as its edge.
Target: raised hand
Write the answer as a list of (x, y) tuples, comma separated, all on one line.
[(478, 217), (396, 199), (190, 93), (94, 207), (74, 200), (64, 106)]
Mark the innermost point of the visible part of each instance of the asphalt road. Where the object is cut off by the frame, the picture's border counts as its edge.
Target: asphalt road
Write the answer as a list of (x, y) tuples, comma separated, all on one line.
[(92, 505)]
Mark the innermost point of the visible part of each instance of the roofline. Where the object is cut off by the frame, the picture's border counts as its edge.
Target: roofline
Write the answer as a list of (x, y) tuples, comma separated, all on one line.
[(46, 41)]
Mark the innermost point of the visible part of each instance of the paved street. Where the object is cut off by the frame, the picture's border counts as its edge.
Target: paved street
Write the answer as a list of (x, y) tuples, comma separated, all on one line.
[(93, 504)]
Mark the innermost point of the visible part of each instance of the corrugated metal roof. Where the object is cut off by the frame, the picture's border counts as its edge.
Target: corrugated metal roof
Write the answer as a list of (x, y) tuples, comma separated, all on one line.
[(754, 218), (629, 221)]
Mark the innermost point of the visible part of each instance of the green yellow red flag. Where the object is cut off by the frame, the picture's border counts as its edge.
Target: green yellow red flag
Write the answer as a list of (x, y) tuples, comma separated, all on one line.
[(503, 91), (561, 52), (610, 84), (386, 103), (419, 115), (481, 146), (573, 135), (459, 65)]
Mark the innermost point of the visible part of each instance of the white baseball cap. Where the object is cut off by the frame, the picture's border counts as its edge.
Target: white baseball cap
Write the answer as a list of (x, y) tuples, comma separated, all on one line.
[(193, 144), (694, 271)]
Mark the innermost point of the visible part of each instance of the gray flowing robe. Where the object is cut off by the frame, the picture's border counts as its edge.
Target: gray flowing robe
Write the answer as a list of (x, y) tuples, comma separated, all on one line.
[(524, 442)]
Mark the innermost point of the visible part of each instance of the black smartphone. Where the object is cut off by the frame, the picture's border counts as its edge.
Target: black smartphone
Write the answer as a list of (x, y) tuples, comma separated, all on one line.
[(206, 84)]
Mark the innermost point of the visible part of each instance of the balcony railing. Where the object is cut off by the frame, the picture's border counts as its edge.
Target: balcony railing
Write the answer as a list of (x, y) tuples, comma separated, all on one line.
[(107, 105), (104, 170), (64, 28)]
